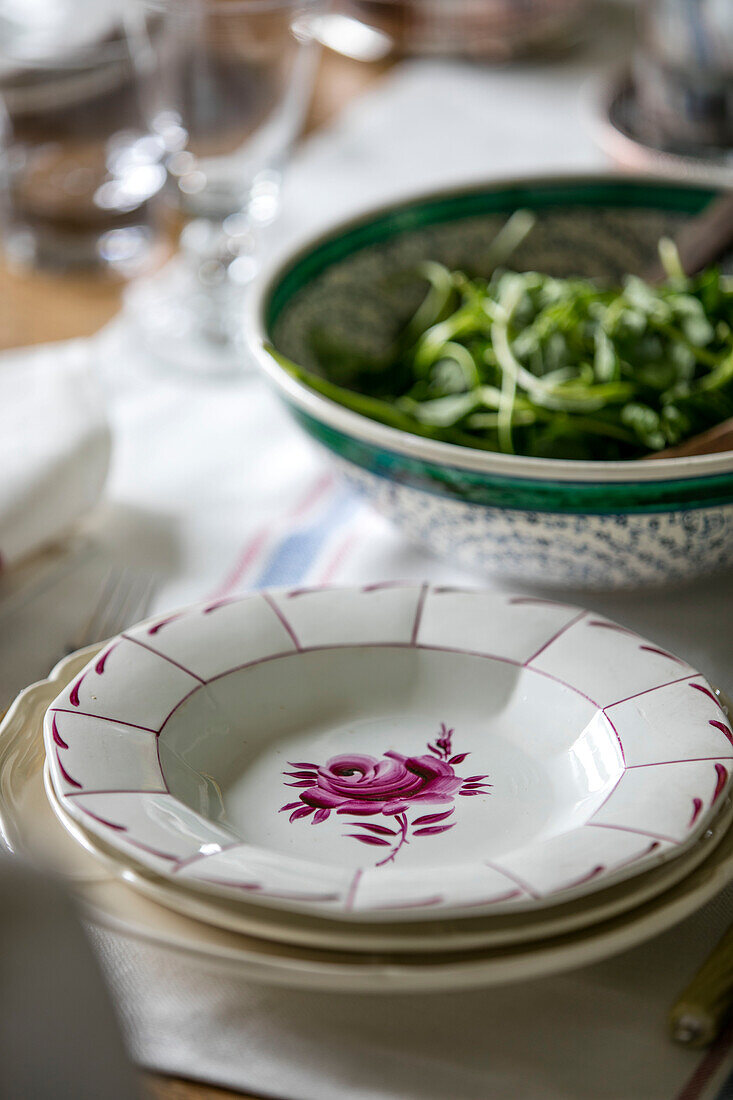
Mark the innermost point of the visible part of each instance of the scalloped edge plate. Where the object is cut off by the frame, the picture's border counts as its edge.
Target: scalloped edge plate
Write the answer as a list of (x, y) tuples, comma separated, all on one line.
[(29, 829), (589, 753)]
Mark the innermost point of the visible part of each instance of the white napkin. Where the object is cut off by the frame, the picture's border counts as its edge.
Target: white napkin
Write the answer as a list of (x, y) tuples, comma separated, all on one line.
[(597, 1033), (54, 444)]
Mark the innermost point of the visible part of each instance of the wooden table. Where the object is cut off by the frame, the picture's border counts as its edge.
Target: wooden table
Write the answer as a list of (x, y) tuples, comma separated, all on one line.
[(36, 307), (174, 1088)]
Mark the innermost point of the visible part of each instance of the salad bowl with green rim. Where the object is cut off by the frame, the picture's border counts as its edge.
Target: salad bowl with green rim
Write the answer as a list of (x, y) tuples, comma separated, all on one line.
[(592, 524)]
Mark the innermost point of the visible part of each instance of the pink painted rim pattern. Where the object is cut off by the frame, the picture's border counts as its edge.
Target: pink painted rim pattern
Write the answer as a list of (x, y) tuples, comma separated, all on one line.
[(658, 845)]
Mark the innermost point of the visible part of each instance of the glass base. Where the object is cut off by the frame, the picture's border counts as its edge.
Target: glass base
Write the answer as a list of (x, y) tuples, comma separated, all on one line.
[(121, 252), (187, 327)]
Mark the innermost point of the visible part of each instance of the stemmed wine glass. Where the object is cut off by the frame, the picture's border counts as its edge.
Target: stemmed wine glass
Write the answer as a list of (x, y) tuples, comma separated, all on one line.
[(234, 81), (80, 174)]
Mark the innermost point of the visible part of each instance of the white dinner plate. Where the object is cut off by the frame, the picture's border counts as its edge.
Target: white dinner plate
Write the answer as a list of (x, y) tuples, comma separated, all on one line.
[(391, 752), (28, 828), (453, 934)]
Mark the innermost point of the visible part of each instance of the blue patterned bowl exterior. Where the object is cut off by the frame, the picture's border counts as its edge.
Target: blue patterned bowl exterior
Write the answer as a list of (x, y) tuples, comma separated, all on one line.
[(583, 524)]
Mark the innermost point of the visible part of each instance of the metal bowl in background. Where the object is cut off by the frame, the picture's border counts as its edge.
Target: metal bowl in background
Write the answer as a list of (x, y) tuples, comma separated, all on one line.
[(683, 76), (670, 111), (618, 130)]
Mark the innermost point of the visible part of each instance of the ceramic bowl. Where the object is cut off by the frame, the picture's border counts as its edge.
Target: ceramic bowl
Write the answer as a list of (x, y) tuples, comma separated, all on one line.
[(587, 524), (390, 752), (406, 937), (29, 830)]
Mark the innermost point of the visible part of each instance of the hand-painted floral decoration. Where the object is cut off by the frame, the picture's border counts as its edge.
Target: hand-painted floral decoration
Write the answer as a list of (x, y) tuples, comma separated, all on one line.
[(362, 785)]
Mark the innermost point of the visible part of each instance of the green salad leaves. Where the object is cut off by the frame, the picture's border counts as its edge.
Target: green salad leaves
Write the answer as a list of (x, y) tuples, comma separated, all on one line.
[(529, 364)]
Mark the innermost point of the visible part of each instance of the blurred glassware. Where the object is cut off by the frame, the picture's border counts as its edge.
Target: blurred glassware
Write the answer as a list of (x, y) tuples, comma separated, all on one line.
[(683, 75), (233, 89), (350, 37), (670, 112), (79, 171), (488, 29)]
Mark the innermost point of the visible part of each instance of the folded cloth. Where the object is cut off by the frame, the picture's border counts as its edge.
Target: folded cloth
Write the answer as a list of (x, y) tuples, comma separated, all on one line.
[(55, 444), (597, 1033)]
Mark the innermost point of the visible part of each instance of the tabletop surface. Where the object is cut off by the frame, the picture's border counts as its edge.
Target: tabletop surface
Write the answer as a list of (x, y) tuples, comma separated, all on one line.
[(628, 996), (36, 307)]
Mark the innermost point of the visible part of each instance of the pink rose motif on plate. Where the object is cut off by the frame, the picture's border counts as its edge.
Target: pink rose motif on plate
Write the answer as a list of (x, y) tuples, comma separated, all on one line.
[(362, 785)]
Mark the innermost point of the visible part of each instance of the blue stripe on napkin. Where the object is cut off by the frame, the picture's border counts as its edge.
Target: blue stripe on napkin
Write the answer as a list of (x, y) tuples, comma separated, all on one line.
[(292, 558)]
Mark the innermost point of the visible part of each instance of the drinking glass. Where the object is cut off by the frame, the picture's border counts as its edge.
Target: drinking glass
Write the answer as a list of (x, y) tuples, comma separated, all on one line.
[(79, 171), (234, 82)]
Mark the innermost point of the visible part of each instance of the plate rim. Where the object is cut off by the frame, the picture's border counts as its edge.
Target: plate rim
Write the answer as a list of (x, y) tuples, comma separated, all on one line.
[(339, 935), (385, 912), (103, 903)]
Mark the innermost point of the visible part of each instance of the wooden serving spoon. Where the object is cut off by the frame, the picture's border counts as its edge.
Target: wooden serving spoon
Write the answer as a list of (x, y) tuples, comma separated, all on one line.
[(701, 241), (711, 442)]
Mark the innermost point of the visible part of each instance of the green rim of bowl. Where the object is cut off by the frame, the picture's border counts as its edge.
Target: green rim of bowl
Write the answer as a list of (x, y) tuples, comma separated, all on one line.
[(398, 461), (684, 199), (522, 494)]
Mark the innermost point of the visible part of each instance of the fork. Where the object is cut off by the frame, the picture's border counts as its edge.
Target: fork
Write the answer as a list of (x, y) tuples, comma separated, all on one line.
[(125, 598)]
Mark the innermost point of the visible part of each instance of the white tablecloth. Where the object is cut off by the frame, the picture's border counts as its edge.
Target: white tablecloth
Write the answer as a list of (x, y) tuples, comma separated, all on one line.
[(214, 491)]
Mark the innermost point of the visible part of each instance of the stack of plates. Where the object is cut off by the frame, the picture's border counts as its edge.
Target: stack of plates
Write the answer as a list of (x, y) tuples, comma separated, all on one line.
[(396, 786)]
